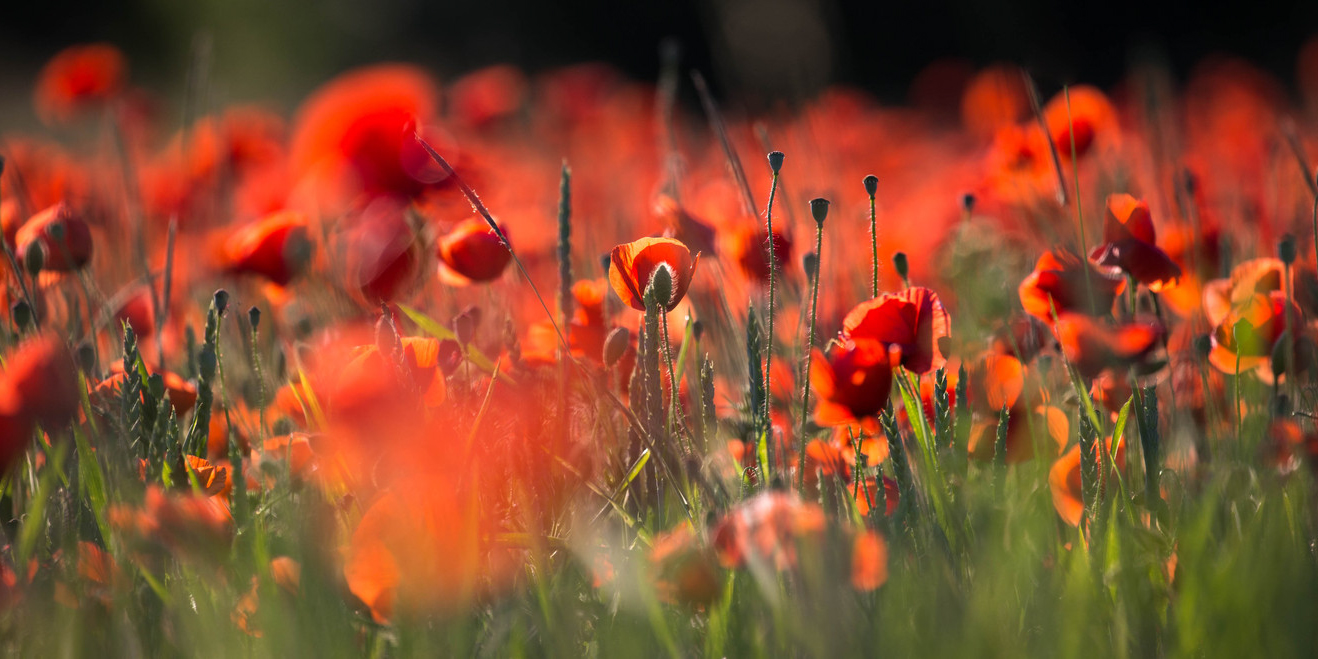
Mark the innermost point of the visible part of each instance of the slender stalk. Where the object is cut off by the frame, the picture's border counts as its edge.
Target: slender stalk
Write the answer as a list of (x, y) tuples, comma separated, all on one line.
[(1079, 211), (819, 208), (775, 164), (872, 187)]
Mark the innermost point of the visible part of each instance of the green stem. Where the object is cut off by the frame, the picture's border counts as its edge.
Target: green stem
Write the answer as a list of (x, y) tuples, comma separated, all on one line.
[(809, 355)]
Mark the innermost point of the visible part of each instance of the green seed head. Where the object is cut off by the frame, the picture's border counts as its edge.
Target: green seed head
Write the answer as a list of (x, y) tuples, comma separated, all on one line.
[(819, 209), (871, 185), (776, 161)]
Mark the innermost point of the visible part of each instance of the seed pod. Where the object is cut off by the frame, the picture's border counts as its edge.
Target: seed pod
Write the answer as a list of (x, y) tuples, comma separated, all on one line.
[(819, 209), (900, 263), (34, 258), (871, 185), (254, 317), (775, 161), (661, 285)]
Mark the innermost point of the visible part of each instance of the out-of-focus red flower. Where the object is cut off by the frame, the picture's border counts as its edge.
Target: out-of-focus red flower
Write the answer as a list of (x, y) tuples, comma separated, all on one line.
[(749, 247), (1255, 276), (487, 95), (383, 254), (277, 248), (1089, 118), (77, 79), (765, 529), (70, 252), (867, 495), (356, 131), (1064, 478), (852, 383), (45, 378), (996, 97), (138, 311), (1287, 444), (1091, 346), (174, 525), (869, 561), (15, 427), (683, 570), (913, 323), (182, 394), (999, 381), (472, 252), (633, 266), (1111, 391), (1060, 284), (1130, 243)]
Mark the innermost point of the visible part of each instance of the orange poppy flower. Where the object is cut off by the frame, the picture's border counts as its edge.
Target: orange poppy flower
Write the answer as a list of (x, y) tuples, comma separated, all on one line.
[(1092, 347), (77, 79), (277, 248), (869, 561), (71, 252), (357, 130), (1129, 243), (852, 383), (765, 529), (182, 394), (1064, 479), (487, 95), (1221, 296), (211, 479), (867, 495), (1111, 391), (15, 427), (912, 322), (1059, 284), (1048, 422), (472, 252), (682, 568), (1264, 321), (996, 97), (634, 264), (174, 524)]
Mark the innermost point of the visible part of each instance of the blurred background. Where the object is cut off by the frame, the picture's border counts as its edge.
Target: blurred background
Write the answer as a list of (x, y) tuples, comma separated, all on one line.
[(755, 50)]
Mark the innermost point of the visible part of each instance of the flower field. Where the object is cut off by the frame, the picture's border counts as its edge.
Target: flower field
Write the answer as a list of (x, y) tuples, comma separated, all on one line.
[(569, 364)]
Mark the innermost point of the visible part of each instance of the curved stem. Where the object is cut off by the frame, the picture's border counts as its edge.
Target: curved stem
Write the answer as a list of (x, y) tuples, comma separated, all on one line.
[(809, 356)]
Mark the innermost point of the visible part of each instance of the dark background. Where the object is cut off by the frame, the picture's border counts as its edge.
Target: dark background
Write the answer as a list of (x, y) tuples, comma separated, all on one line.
[(756, 49)]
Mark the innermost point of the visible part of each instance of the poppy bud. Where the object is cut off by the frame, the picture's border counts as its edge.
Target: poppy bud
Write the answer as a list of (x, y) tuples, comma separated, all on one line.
[(1203, 344), (1286, 249), (605, 260), (464, 325), (616, 345), (661, 285), (34, 258), (810, 263), (1281, 406), (207, 362), (901, 265), (819, 209), (775, 161), (221, 301), (968, 202), (697, 329), (56, 232), (86, 357), (21, 314), (1280, 353), (871, 185), (254, 317), (1190, 182)]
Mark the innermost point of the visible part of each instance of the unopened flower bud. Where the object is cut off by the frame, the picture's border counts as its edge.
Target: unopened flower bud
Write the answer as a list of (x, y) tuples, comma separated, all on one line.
[(871, 185), (34, 258), (615, 345), (968, 202), (819, 209), (86, 356), (900, 263), (221, 301), (254, 317), (1286, 249), (661, 285), (464, 325), (1203, 344), (21, 314), (810, 263), (697, 329), (776, 161)]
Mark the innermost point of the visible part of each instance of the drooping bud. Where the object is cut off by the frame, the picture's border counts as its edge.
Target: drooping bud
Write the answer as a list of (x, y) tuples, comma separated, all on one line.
[(605, 261), (819, 209), (871, 185), (464, 325), (86, 356), (775, 161), (697, 329), (968, 202), (254, 317), (1281, 351), (810, 263), (1286, 249), (34, 258), (900, 263), (615, 345), (21, 314), (1203, 344)]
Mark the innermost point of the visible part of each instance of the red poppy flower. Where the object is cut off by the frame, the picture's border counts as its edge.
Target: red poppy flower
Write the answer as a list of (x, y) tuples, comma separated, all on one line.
[(15, 427), (996, 97), (765, 529), (359, 126), (1129, 243), (138, 311), (45, 378), (277, 248), (383, 254), (1059, 284), (1221, 296), (634, 264), (852, 383), (1089, 117), (485, 96), (869, 561), (182, 394), (473, 252), (173, 525), (70, 252), (682, 568), (749, 247), (913, 322), (1092, 347), (867, 495), (79, 78)]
